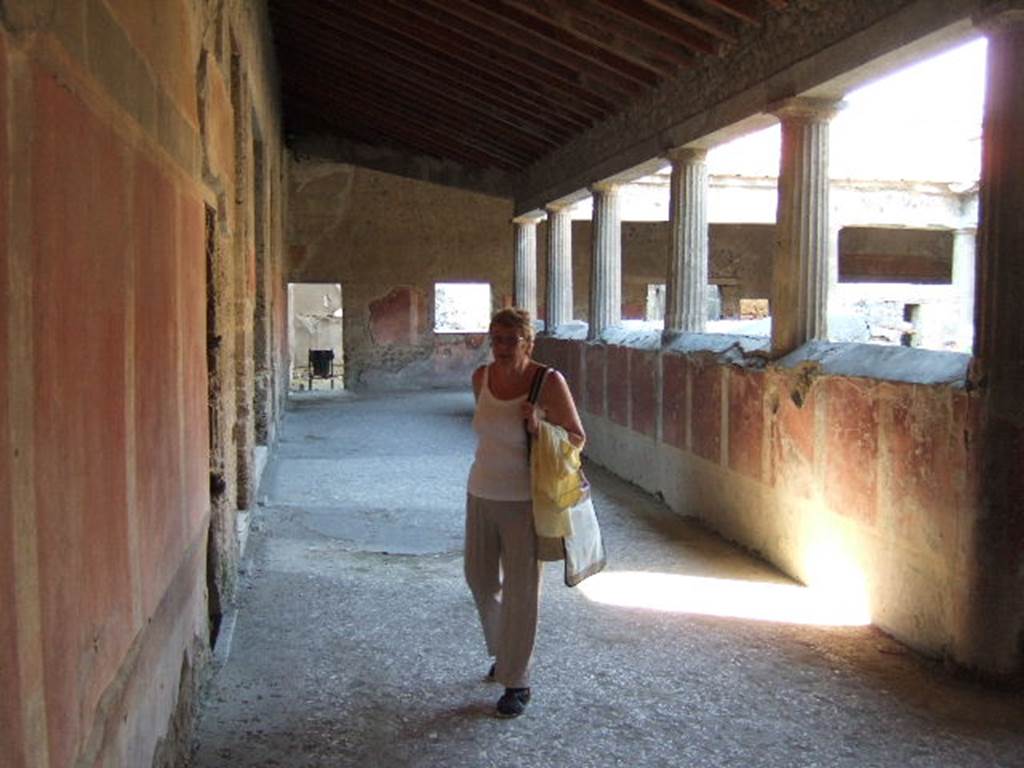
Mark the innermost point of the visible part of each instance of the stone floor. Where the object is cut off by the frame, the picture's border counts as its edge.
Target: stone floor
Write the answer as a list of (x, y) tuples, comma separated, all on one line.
[(356, 643)]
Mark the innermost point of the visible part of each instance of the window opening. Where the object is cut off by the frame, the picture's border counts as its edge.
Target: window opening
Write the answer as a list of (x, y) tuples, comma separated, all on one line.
[(462, 307), (905, 163)]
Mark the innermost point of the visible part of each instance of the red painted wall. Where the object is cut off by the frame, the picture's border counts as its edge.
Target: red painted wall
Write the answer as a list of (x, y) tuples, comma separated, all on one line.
[(673, 400), (617, 385), (746, 422), (593, 399), (851, 448), (643, 378), (792, 438), (893, 460), (191, 259), (10, 711), (706, 409), (81, 246)]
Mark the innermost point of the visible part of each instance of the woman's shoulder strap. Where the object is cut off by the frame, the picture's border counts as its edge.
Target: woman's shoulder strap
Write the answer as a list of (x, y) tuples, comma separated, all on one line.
[(538, 382)]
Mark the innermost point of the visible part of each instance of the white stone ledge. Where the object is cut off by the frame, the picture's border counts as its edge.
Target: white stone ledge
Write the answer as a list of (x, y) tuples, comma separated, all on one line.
[(889, 363), (907, 365)]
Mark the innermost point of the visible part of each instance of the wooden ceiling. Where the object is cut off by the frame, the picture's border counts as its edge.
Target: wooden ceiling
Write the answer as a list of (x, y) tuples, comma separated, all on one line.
[(486, 83)]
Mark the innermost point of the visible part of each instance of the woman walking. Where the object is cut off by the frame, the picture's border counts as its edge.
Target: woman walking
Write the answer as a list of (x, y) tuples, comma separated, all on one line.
[(501, 563)]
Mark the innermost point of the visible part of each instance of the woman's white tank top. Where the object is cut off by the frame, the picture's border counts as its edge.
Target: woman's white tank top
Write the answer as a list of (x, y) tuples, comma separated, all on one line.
[(500, 471)]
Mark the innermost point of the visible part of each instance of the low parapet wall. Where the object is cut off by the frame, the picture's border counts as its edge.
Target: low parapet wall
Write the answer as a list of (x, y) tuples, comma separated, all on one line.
[(847, 481)]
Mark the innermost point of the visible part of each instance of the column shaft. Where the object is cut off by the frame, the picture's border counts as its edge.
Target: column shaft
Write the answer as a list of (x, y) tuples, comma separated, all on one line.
[(606, 261), (964, 250), (800, 269), (992, 612), (525, 289), (559, 287), (686, 286)]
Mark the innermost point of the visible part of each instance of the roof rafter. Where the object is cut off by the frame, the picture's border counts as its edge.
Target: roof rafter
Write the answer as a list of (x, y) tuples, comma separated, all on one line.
[(668, 28), (435, 91)]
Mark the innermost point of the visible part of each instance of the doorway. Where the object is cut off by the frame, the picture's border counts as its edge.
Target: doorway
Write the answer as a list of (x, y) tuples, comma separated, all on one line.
[(316, 337)]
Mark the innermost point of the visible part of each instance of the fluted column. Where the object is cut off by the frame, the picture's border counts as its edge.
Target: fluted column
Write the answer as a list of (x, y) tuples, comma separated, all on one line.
[(686, 288), (964, 252), (525, 288), (559, 290), (800, 267), (606, 261), (991, 608)]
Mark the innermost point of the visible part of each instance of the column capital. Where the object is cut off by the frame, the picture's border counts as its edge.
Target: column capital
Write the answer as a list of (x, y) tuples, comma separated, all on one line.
[(806, 109), (685, 155), (999, 14), (604, 187), (528, 218), (550, 208)]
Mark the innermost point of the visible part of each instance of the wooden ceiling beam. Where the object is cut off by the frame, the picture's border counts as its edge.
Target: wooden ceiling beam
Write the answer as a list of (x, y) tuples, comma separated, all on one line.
[(744, 10), (386, 105), (694, 18), (530, 16), (528, 42), (451, 117), (393, 120), (353, 127), (488, 66), (663, 25), (612, 87), (618, 30), (587, 26), (573, 104), (434, 92)]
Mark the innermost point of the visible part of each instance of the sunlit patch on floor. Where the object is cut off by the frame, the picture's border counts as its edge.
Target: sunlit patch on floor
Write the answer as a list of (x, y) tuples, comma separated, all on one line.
[(758, 600)]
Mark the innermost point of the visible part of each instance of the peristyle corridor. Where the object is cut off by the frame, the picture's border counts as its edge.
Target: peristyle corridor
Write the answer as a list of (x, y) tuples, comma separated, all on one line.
[(355, 641)]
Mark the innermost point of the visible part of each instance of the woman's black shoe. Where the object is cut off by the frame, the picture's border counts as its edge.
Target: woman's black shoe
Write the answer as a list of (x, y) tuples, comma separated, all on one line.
[(513, 702)]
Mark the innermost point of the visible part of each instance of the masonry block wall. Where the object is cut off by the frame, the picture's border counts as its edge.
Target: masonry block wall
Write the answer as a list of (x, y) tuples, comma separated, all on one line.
[(127, 157), (859, 485), (387, 240)]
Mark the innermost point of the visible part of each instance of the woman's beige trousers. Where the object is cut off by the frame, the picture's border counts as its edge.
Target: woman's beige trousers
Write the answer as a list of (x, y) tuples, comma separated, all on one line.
[(503, 573)]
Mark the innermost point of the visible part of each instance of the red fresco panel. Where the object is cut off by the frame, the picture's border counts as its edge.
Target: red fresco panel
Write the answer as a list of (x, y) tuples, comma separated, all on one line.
[(594, 357), (673, 400), (80, 249), (851, 445), (556, 355), (540, 350), (399, 317), (926, 465), (158, 496), (573, 374), (707, 411), (10, 708), (617, 383), (643, 378), (746, 421), (793, 439), (192, 258)]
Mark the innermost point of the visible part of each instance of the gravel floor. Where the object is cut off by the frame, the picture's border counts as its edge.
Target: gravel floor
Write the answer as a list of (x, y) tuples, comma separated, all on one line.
[(356, 642)]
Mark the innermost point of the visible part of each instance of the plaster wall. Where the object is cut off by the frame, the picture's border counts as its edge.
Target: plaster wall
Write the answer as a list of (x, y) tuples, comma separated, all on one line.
[(856, 484), (117, 131), (387, 240)]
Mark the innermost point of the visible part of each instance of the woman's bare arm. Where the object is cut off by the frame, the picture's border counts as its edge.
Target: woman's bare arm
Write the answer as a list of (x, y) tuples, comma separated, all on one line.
[(559, 408)]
